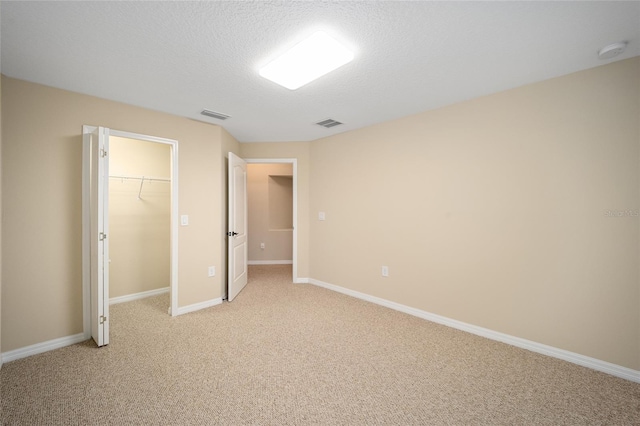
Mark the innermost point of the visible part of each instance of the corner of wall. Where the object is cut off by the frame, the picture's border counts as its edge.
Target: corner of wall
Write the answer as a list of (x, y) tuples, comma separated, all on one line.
[(637, 65), (1, 77)]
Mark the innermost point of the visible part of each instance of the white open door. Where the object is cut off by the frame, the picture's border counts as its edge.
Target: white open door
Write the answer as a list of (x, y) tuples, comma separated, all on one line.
[(99, 227), (237, 235)]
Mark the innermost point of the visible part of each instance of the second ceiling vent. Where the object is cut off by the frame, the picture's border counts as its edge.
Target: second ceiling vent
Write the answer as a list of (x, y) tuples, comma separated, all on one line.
[(328, 123)]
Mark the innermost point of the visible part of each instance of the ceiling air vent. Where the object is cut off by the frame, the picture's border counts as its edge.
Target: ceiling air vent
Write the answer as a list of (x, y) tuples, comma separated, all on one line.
[(214, 114), (328, 123)]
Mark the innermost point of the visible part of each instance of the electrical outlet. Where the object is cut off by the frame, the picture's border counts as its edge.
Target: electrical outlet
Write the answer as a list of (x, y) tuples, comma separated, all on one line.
[(212, 271), (385, 271), (261, 246)]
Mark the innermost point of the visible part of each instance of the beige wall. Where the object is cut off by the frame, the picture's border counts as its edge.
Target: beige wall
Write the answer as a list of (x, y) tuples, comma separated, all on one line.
[(41, 190), (301, 152), (263, 212), (493, 212), (139, 227)]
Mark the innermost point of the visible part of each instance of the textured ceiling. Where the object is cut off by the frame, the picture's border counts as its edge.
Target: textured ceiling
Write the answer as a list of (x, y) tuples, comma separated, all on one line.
[(181, 57)]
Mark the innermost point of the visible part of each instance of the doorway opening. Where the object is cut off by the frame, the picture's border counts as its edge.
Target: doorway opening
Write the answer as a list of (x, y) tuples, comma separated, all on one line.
[(272, 191)]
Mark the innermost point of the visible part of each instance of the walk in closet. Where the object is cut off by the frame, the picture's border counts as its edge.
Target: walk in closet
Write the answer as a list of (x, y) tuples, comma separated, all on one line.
[(139, 217)]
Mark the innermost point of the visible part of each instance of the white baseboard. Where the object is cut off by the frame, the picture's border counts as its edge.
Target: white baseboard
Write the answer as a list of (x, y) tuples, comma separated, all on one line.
[(269, 262), (585, 361), (197, 306), (39, 348), (301, 281), (81, 337), (136, 296)]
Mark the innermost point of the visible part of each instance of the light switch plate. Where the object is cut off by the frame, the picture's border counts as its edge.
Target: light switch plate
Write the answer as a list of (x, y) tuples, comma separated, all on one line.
[(184, 220), (212, 271), (321, 216)]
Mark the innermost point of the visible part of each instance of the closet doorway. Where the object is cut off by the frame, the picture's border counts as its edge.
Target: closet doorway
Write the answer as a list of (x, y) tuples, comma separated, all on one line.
[(129, 222), (139, 219)]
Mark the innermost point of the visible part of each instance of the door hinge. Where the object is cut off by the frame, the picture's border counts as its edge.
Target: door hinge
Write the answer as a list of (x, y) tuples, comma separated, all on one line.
[(103, 153), (102, 236), (103, 319)]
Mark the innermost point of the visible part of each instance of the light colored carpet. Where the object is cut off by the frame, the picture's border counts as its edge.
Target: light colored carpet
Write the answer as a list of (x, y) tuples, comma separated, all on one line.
[(285, 354)]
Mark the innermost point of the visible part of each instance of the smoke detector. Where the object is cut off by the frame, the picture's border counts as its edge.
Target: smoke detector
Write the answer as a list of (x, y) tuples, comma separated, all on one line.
[(612, 50)]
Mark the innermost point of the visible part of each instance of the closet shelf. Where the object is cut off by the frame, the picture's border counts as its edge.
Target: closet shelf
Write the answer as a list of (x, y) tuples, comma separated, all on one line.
[(150, 179), (141, 179)]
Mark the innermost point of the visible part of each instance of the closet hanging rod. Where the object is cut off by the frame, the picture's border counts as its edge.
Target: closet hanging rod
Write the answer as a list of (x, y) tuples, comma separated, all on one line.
[(141, 178)]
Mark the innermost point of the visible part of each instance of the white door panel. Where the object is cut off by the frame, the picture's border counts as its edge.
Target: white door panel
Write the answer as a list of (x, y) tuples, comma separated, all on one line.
[(237, 235), (99, 224)]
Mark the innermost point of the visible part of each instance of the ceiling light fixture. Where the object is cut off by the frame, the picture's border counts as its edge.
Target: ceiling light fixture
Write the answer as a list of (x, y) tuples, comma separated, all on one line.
[(612, 50), (306, 61)]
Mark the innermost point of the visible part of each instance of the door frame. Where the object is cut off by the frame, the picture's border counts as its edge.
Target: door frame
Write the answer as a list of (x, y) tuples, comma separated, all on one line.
[(86, 216), (293, 161)]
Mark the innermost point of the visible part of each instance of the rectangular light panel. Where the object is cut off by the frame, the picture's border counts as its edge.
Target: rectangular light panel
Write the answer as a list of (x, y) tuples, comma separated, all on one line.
[(306, 61)]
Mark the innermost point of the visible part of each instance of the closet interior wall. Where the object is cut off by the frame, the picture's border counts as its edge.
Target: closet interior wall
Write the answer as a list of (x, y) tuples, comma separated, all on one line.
[(139, 216)]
